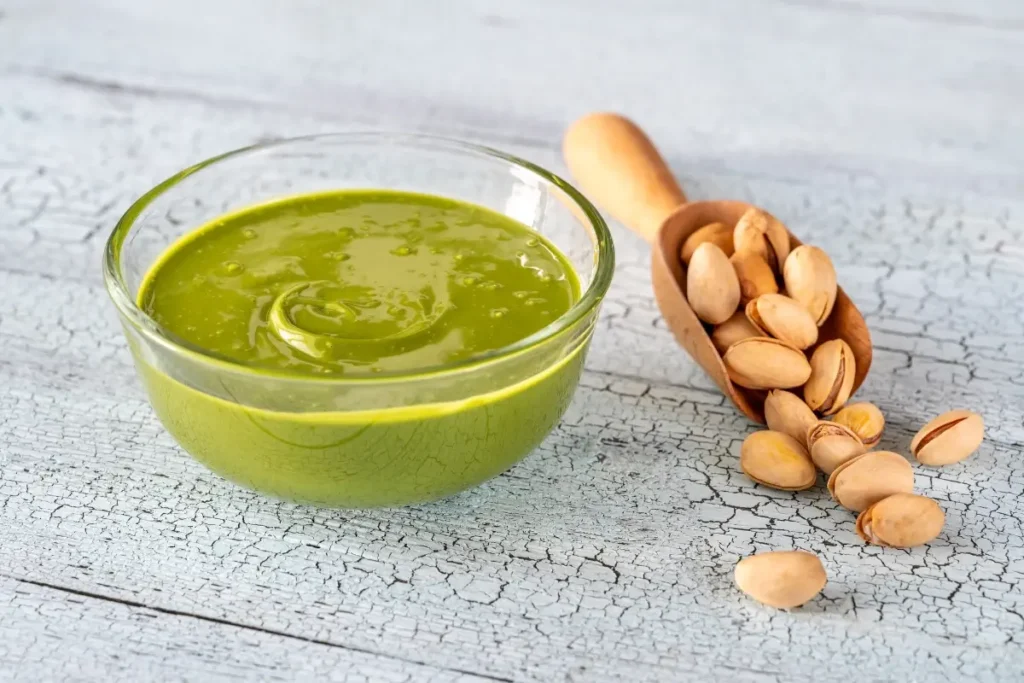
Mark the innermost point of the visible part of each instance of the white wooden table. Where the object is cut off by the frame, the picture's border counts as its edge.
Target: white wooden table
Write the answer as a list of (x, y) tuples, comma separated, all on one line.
[(889, 132)]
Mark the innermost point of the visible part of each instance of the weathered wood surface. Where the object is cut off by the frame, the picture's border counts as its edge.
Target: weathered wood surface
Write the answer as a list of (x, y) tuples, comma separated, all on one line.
[(888, 132)]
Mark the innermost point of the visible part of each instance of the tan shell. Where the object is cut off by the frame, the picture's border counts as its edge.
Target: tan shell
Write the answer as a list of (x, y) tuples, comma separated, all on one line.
[(781, 579), (712, 287), (786, 412), (831, 444), (784, 319), (832, 372), (777, 460), (716, 233), (761, 233), (734, 329), (867, 479), (765, 363), (865, 420), (902, 520), (811, 279), (755, 275), (949, 438)]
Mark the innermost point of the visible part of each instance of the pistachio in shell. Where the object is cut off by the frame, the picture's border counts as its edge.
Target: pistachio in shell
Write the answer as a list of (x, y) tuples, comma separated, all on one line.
[(766, 363), (810, 279), (711, 284), (755, 275), (868, 478), (864, 419), (831, 444), (759, 232), (949, 438), (902, 520), (734, 329), (786, 412), (783, 318), (833, 369), (716, 233), (782, 579), (777, 460)]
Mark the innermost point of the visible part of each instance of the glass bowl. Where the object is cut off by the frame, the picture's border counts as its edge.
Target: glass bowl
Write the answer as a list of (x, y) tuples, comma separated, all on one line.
[(390, 439)]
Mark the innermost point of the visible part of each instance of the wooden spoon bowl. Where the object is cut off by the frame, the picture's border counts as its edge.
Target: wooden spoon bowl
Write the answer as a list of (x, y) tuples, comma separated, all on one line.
[(617, 165)]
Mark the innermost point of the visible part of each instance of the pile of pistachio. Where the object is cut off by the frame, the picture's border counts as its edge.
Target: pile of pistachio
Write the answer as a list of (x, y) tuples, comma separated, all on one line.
[(733, 277)]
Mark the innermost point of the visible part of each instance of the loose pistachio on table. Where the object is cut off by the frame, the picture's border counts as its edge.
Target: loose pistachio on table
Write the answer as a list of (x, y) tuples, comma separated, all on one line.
[(736, 328), (948, 438), (761, 233), (865, 420), (783, 318), (810, 279), (755, 275), (719, 234), (833, 369), (831, 444), (766, 363), (868, 478), (902, 520), (781, 579), (777, 460), (712, 287), (786, 412)]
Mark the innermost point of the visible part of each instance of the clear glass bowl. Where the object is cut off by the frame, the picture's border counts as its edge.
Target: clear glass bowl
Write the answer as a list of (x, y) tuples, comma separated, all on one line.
[(392, 439)]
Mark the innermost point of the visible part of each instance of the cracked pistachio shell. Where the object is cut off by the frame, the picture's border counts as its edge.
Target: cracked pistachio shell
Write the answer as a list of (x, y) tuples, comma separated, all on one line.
[(786, 412), (832, 444), (783, 318), (865, 420), (902, 520), (766, 363), (777, 460), (833, 369), (755, 275), (761, 233), (716, 233), (868, 478), (736, 328), (711, 284), (810, 279), (949, 438), (781, 579)]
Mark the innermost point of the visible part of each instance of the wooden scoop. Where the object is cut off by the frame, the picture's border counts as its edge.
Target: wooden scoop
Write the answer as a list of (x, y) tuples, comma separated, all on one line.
[(616, 165)]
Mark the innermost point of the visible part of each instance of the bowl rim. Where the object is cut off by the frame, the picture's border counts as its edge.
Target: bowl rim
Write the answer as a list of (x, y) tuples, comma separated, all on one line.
[(590, 298)]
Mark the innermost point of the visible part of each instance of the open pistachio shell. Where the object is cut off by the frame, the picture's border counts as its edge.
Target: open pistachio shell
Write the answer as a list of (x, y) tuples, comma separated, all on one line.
[(831, 381), (760, 232), (949, 438), (902, 520), (832, 444), (736, 328), (784, 319), (716, 233), (711, 284), (777, 460), (781, 579), (868, 478), (786, 412), (755, 275), (865, 420), (810, 279), (766, 363)]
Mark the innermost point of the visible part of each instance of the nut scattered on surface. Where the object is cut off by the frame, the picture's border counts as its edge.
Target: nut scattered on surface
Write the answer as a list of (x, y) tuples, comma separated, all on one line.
[(865, 420), (777, 460), (781, 579), (902, 520), (761, 233), (765, 363), (949, 438), (831, 444), (783, 318), (833, 369), (755, 275), (716, 233), (810, 279), (711, 284), (736, 328), (786, 412), (868, 478)]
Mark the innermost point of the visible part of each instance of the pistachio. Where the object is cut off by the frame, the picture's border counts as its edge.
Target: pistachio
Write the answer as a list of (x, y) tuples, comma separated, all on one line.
[(868, 478), (784, 319), (755, 275), (832, 444), (810, 278), (734, 329), (949, 438), (832, 372), (716, 233), (711, 284), (777, 460), (902, 520), (865, 420), (759, 232), (766, 363), (787, 413), (781, 579)]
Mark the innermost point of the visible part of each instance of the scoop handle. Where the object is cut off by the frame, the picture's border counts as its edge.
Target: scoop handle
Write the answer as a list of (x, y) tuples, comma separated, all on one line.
[(617, 165)]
